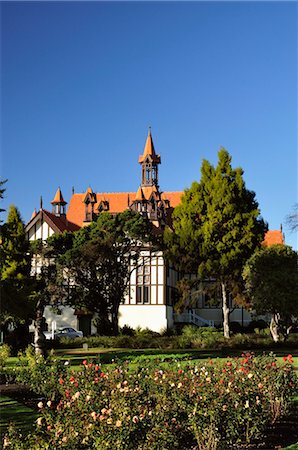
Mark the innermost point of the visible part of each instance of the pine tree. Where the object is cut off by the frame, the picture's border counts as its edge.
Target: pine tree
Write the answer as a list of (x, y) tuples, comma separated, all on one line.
[(15, 270), (216, 228)]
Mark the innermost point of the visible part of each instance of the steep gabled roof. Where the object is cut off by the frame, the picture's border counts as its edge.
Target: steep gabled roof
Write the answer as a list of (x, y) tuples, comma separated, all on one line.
[(90, 196), (149, 150), (58, 198), (57, 224), (140, 194)]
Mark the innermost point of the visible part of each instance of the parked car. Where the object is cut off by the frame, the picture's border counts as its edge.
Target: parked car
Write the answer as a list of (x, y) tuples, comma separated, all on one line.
[(67, 332)]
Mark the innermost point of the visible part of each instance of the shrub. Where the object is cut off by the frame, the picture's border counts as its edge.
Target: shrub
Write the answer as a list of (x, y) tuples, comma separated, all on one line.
[(4, 355), (40, 374), (192, 337), (127, 330), (208, 406)]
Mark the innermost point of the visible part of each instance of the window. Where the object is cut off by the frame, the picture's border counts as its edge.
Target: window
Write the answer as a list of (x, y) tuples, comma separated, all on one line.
[(143, 281)]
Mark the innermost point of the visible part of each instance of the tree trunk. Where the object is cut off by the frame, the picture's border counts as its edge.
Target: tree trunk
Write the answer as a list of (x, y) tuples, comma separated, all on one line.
[(275, 327), (39, 338), (225, 312)]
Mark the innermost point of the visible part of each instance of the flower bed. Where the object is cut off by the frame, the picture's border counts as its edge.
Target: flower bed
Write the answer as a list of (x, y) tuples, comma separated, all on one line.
[(212, 405)]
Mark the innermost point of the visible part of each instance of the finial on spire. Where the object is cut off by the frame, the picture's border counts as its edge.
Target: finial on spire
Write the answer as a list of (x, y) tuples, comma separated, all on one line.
[(149, 129), (72, 190), (41, 202)]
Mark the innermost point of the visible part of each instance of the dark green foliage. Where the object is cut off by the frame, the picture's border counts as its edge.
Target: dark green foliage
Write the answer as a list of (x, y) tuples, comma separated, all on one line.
[(218, 222), (271, 279), (15, 265), (217, 226)]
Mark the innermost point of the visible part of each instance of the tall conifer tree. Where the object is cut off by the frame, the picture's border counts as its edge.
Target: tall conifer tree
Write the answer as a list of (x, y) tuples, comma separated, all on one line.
[(15, 270), (216, 228)]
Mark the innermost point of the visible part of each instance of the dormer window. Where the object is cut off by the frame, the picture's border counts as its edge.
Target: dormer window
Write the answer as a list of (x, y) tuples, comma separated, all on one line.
[(103, 206), (89, 200)]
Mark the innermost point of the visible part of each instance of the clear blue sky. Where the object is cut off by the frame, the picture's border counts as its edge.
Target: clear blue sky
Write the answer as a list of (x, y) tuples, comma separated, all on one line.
[(81, 82)]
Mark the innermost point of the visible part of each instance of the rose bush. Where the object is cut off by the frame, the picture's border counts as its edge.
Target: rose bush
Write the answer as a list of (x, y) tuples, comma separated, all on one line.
[(213, 405)]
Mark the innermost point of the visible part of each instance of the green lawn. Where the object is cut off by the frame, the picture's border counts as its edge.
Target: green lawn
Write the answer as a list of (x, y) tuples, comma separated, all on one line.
[(111, 356), (12, 411)]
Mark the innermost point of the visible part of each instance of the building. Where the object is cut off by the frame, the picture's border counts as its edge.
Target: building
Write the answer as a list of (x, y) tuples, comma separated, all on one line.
[(150, 297)]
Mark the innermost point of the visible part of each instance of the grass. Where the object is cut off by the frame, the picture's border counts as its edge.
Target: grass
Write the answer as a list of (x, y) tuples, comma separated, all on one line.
[(13, 411), (107, 356), (110, 356)]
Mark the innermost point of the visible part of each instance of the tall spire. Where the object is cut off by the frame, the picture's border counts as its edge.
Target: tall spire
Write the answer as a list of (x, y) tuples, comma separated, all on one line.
[(149, 162), (58, 197), (149, 149), (58, 203)]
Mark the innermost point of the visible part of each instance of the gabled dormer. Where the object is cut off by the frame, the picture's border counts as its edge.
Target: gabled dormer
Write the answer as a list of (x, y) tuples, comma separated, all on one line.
[(58, 204), (103, 206), (89, 200)]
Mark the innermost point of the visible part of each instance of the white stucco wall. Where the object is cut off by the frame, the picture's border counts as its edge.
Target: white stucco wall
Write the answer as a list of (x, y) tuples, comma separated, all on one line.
[(154, 317)]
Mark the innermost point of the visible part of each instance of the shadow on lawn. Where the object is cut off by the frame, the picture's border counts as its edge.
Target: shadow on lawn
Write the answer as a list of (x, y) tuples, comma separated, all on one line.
[(76, 356), (13, 411)]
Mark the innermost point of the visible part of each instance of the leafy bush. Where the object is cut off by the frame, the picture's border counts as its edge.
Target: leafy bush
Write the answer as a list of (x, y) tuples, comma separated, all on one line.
[(4, 355), (40, 374), (259, 324), (235, 327), (127, 330), (192, 337), (208, 406)]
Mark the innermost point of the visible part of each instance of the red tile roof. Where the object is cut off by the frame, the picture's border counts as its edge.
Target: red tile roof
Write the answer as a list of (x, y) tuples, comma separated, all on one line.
[(118, 202), (58, 224), (273, 237), (173, 197)]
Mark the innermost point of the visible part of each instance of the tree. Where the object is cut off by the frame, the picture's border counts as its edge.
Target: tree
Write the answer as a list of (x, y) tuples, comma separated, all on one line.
[(94, 265), (15, 266), (216, 228), (292, 219), (271, 280), (2, 190)]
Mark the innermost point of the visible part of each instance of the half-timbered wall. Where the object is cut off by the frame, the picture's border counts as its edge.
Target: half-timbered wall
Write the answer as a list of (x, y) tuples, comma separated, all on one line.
[(147, 280), (40, 230), (148, 303)]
